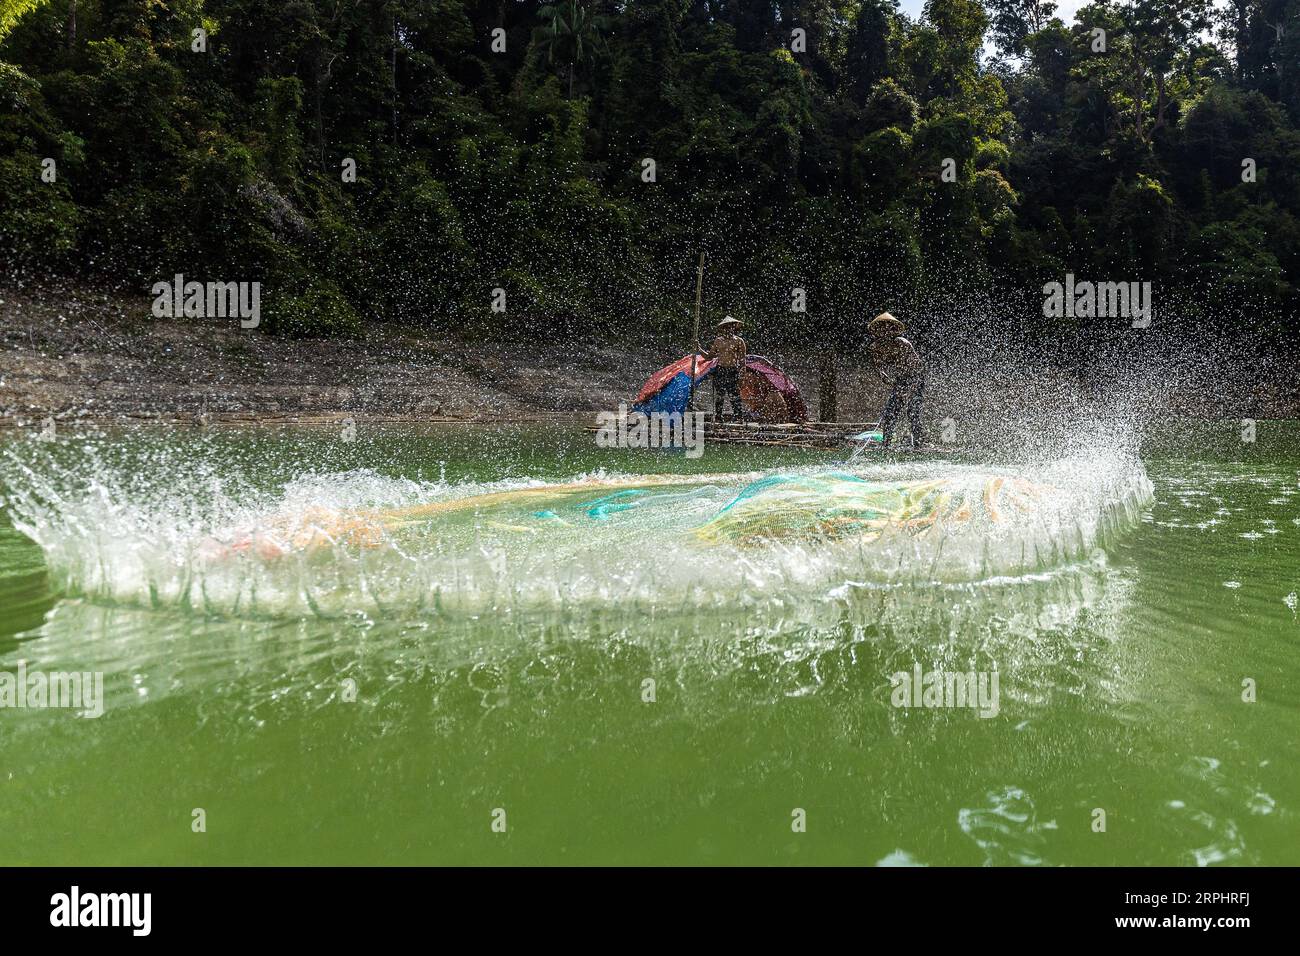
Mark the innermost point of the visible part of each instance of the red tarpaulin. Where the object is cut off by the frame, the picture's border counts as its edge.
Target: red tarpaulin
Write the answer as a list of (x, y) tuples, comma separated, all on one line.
[(768, 393)]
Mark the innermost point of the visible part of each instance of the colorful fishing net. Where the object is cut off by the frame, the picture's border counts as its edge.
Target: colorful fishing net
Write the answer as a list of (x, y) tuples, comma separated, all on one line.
[(838, 504), (777, 507), (517, 510)]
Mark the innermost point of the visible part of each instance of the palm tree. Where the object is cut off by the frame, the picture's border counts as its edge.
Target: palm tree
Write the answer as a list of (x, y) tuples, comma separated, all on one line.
[(572, 33)]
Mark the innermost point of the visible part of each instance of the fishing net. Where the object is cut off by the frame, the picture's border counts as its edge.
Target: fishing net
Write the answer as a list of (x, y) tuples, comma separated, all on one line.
[(776, 507), (838, 504), (520, 510)]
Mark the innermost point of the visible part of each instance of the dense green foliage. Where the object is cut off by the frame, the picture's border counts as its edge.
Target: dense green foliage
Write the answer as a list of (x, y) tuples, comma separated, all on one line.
[(820, 168)]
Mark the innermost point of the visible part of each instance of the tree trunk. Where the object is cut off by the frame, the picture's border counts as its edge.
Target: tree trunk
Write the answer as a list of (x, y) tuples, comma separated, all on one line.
[(72, 23), (1139, 99), (1243, 35), (393, 76), (570, 81), (320, 116), (1162, 101), (826, 397)]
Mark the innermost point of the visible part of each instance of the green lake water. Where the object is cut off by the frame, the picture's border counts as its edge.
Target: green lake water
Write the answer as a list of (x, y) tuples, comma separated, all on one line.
[(564, 644)]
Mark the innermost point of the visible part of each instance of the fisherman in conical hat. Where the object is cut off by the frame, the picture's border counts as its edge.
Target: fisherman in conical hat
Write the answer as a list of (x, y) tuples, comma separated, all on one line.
[(899, 366), (730, 351)]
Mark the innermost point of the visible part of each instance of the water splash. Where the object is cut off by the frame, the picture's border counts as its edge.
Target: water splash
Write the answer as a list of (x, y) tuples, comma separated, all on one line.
[(169, 528)]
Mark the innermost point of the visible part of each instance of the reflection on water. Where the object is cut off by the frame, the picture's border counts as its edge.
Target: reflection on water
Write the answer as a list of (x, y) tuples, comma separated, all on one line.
[(1120, 655)]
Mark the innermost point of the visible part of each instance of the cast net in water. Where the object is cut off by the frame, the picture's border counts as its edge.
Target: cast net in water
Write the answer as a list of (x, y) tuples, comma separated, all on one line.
[(838, 504), (356, 541)]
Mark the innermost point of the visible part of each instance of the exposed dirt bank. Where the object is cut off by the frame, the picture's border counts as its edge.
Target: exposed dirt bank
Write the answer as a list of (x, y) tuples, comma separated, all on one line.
[(77, 355), (83, 356)]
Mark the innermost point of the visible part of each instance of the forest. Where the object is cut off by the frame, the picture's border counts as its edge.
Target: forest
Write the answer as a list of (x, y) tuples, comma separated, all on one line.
[(558, 168)]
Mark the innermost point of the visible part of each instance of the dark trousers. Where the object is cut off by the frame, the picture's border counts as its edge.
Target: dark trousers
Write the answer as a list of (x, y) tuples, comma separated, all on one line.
[(726, 382), (904, 398)]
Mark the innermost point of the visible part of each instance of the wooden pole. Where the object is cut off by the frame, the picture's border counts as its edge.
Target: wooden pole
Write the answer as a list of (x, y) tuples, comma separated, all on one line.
[(695, 345)]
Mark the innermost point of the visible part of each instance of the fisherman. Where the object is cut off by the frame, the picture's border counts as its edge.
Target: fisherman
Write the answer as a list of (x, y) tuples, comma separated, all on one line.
[(899, 366), (730, 351)]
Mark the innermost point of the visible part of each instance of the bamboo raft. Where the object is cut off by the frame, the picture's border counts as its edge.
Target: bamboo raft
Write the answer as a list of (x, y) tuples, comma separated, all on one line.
[(807, 435), (819, 435), (825, 435), (815, 436)]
